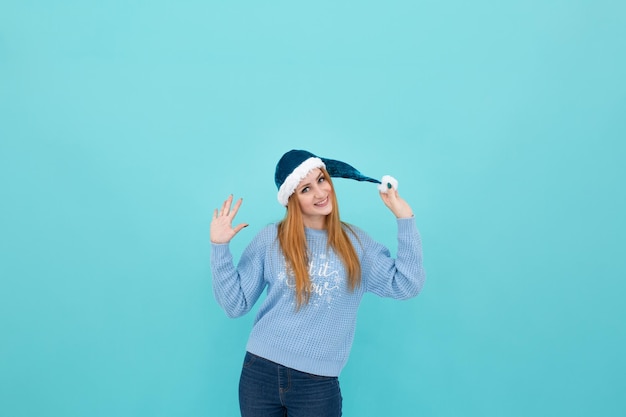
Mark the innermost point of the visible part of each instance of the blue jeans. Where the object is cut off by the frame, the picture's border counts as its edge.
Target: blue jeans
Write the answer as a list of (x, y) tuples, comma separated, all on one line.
[(267, 389)]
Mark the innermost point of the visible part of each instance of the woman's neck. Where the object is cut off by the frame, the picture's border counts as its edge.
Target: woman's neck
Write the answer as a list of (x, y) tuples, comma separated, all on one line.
[(316, 223)]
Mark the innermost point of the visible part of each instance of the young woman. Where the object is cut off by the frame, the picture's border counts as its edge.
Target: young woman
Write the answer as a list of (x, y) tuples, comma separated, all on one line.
[(315, 269)]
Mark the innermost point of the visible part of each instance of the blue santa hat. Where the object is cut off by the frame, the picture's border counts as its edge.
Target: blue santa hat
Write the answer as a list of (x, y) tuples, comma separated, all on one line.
[(294, 165)]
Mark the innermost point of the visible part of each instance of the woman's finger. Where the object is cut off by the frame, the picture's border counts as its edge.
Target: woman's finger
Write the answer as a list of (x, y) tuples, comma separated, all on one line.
[(236, 208), (239, 227), (226, 205)]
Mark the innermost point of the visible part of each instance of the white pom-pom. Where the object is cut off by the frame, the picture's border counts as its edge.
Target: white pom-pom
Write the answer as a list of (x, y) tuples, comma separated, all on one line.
[(387, 179)]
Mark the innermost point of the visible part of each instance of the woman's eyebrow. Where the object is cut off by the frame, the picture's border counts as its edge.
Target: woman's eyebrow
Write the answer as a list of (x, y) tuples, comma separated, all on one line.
[(304, 185), (321, 174)]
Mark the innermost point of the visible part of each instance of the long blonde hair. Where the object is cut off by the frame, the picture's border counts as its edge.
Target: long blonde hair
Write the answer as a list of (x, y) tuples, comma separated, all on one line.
[(293, 244)]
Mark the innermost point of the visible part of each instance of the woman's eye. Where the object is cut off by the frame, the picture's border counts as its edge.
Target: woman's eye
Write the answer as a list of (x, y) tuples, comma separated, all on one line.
[(304, 190), (322, 179)]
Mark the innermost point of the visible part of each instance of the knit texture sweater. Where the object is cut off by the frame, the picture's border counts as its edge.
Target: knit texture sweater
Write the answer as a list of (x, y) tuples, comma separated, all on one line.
[(318, 337)]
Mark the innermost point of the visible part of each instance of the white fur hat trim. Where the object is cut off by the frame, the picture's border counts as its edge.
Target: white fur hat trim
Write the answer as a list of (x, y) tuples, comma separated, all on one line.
[(291, 182), (382, 187)]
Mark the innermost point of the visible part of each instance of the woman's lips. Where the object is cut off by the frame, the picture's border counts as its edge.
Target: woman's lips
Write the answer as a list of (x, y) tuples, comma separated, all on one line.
[(322, 203)]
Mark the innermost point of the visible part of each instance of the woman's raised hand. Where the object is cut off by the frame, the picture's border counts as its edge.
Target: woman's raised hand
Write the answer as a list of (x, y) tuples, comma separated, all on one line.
[(396, 204), (222, 230)]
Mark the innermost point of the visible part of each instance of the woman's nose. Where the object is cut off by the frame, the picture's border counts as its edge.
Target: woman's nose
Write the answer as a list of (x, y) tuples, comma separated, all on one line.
[(317, 191)]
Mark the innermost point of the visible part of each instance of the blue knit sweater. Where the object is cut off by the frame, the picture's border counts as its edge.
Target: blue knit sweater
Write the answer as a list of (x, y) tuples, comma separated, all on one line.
[(318, 337)]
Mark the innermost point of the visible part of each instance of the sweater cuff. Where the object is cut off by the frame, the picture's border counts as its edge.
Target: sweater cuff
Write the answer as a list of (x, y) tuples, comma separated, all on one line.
[(220, 249), (407, 225)]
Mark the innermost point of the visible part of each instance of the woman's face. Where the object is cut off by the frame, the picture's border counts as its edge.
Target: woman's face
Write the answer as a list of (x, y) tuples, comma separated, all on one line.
[(313, 194)]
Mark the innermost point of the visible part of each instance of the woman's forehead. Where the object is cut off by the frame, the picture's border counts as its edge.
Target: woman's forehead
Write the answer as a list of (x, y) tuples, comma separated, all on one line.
[(311, 176)]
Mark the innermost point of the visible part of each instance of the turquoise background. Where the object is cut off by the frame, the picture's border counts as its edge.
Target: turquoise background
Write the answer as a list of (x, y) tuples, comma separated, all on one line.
[(123, 124)]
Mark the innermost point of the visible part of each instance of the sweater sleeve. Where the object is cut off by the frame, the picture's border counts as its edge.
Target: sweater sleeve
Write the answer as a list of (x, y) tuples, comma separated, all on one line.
[(236, 289), (399, 278)]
